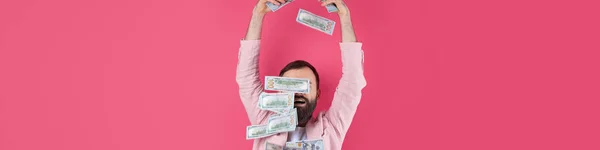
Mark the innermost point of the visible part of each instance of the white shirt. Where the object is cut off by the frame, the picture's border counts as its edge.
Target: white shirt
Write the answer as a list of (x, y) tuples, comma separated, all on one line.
[(297, 135)]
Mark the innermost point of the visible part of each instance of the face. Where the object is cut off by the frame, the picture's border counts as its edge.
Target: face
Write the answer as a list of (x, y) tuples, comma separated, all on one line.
[(304, 103)]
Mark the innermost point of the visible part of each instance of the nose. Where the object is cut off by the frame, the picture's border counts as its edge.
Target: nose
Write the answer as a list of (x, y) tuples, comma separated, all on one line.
[(299, 94)]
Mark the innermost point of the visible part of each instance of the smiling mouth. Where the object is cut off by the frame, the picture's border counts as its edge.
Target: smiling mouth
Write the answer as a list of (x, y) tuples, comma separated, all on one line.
[(299, 102)]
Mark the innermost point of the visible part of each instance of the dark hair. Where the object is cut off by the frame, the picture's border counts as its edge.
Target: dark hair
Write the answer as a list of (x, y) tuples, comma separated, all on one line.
[(298, 64)]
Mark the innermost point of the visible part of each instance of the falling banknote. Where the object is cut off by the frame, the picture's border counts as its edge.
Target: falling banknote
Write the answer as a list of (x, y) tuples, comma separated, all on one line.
[(316, 22), (285, 112), (256, 131), (280, 111), (283, 122), (305, 145), (293, 145), (271, 146), (276, 101), (296, 85), (274, 7), (330, 7), (313, 145)]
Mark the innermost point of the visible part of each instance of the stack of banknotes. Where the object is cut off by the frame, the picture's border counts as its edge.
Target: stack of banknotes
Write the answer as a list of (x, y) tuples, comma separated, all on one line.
[(330, 7), (310, 19), (274, 7)]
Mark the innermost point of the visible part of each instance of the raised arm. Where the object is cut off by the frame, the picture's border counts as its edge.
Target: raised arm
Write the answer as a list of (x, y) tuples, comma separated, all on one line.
[(258, 13), (247, 75), (345, 20), (348, 93)]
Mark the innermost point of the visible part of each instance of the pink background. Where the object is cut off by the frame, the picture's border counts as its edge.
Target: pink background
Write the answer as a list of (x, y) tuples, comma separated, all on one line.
[(160, 74)]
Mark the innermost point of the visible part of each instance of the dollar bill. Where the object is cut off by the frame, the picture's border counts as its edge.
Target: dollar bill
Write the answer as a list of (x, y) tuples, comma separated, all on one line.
[(283, 111), (291, 148), (271, 146), (293, 145), (331, 7), (316, 22), (305, 145), (296, 85), (287, 112), (280, 111), (283, 122), (277, 101), (294, 114), (313, 144), (274, 7), (256, 131)]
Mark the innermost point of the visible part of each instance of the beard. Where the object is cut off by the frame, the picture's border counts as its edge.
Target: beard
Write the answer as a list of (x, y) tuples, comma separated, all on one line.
[(305, 112)]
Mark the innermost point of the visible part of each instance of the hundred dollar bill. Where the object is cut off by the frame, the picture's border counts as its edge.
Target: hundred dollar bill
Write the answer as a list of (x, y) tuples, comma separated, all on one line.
[(271, 146), (256, 131), (291, 148), (316, 22), (283, 122), (296, 85), (274, 7), (287, 112), (330, 7), (305, 145), (276, 101), (313, 144), (293, 145), (280, 111)]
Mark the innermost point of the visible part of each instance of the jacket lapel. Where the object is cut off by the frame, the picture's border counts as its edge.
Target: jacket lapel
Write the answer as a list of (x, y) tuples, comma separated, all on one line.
[(314, 128)]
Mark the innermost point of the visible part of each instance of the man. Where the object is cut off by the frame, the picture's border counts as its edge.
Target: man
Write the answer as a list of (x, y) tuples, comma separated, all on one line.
[(331, 126)]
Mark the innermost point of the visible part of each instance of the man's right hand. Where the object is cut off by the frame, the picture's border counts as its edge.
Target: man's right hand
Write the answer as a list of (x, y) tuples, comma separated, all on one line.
[(261, 8), (257, 16), (343, 10)]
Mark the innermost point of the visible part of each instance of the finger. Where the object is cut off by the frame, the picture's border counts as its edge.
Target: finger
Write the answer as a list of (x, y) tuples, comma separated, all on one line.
[(281, 1), (274, 2)]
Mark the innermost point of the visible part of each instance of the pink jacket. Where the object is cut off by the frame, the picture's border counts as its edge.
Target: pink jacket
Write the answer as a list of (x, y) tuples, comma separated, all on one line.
[(330, 125)]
